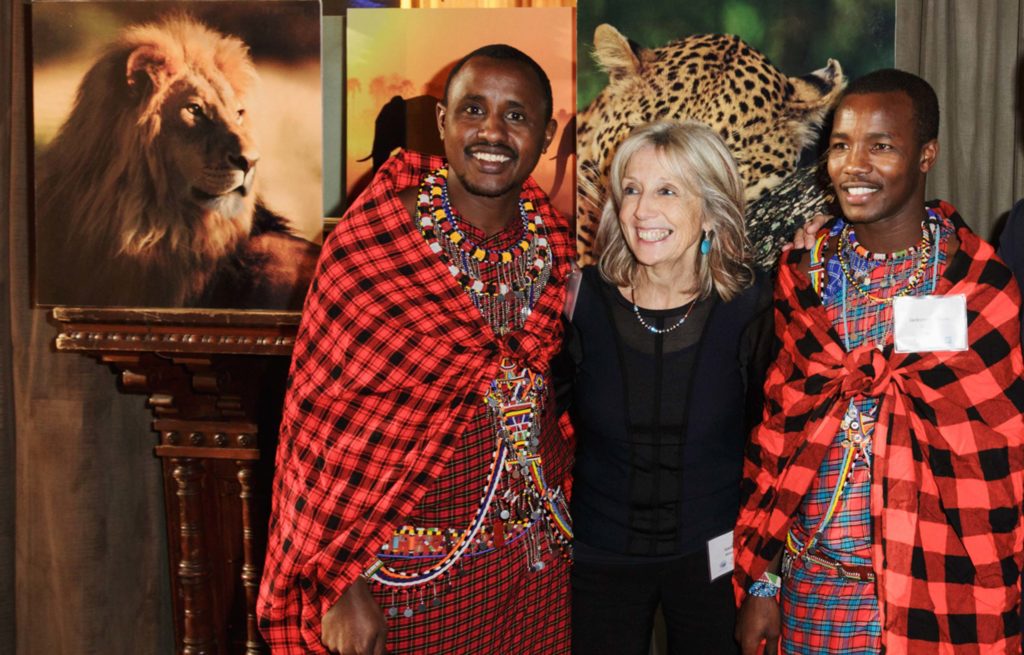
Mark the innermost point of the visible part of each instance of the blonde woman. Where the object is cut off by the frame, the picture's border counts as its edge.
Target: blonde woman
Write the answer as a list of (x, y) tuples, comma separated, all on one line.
[(670, 337)]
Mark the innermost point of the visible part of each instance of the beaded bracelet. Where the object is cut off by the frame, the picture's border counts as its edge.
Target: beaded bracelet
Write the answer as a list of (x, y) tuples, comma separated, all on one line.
[(767, 586)]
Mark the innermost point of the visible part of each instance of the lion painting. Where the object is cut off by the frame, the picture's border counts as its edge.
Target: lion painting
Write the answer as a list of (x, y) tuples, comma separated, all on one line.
[(146, 197)]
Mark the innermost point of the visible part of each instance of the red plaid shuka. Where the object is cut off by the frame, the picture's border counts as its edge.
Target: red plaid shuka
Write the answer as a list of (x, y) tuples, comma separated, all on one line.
[(390, 366), (946, 485)]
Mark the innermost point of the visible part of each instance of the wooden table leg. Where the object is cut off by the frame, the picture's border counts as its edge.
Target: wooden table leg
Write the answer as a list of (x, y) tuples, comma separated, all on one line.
[(193, 568), (254, 644)]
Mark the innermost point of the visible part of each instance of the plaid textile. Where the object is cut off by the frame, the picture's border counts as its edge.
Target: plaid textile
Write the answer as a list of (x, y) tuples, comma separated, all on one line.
[(810, 592), (391, 364), (824, 614), (492, 603), (947, 485)]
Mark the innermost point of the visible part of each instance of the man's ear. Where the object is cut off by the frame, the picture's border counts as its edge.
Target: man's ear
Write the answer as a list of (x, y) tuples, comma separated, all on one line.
[(549, 134), (440, 111), (929, 153)]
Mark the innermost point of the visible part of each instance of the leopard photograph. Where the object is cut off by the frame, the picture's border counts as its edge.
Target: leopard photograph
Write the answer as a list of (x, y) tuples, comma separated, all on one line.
[(771, 120)]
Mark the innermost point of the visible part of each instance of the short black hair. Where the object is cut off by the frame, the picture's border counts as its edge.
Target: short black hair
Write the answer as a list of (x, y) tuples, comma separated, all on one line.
[(507, 52), (922, 96)]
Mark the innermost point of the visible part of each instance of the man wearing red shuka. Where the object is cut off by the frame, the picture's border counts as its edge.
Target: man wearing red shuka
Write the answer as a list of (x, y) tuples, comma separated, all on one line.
[(885, 483), (418, 501)]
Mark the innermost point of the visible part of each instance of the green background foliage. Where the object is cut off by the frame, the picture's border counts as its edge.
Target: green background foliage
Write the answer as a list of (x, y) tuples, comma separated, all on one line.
[(799, 36)]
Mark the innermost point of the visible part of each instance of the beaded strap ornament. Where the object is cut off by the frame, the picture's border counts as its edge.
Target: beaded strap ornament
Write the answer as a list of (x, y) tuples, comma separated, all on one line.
[(520, 271), (514, 400), (384, 574)]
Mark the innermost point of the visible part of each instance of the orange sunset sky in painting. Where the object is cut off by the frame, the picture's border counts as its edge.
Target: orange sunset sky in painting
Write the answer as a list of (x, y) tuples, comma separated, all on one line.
[(408, 52)]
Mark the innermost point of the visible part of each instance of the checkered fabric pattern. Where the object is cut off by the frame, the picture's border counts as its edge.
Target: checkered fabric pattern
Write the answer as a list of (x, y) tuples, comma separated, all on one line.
[(811, 592), (492, 603), (847, 537), (947, 486), (389, 368)]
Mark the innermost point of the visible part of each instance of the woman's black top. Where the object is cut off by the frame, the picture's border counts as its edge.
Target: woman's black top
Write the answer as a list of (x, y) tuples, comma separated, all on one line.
[(662, 419)]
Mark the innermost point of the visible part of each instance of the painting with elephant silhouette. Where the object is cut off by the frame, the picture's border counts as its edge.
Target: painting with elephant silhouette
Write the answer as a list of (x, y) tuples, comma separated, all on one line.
[(177, 152), (397, 61), (764, 74)]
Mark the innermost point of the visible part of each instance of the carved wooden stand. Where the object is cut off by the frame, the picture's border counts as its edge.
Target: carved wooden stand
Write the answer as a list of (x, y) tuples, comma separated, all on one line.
[(215, 381)]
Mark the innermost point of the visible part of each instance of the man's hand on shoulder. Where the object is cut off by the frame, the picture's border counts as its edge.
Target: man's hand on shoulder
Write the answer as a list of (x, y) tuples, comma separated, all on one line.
[(759, 619), (355, 625), (807, 233)]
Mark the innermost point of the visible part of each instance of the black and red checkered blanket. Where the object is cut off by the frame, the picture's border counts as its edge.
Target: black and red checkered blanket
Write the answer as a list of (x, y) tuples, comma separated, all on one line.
[(947, 473), (390, 365)]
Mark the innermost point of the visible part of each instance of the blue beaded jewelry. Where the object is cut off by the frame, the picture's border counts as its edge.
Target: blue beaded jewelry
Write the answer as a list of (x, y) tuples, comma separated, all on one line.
[(762, 590), (705, 244), (767, 586)]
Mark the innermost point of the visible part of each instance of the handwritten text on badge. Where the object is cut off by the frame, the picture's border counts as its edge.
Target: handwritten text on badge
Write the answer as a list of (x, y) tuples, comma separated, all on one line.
[(929, 323)]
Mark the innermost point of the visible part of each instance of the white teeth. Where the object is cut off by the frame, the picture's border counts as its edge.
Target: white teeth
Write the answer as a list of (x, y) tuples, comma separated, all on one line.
[(860, 191), (653, 235), (486, 156)]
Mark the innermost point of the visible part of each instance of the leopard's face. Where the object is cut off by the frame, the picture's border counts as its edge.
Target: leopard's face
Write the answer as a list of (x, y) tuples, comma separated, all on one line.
[(764, 117)]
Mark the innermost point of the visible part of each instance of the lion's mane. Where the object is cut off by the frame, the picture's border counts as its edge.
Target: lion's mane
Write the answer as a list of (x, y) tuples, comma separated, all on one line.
[(146, 193)]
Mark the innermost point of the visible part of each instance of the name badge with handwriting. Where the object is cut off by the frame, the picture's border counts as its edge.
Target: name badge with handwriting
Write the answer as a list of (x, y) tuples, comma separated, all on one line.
[(720, 555), (929, 323)]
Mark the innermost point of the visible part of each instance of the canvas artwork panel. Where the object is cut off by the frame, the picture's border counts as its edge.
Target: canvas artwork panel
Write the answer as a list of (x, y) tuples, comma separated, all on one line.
[(763, 74), (177, 151), (397, 61)]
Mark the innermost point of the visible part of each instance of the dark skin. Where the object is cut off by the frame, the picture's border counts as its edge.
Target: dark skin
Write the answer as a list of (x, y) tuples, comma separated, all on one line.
[(874, 147), (878, 167), (759, 620), (494, 130)]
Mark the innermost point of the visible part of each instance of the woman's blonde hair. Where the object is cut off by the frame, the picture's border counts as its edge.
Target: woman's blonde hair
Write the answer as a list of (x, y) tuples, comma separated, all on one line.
[(697, 155)]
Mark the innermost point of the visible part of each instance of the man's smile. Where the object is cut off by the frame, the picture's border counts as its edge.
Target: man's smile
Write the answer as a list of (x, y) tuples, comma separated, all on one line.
[(857, 193)]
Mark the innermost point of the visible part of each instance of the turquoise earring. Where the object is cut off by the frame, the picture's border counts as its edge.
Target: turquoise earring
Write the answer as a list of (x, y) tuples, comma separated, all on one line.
[(705, 244)]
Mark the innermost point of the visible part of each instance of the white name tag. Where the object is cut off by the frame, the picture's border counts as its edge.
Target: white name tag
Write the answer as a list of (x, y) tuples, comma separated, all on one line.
[(720, 555), (929, 323)]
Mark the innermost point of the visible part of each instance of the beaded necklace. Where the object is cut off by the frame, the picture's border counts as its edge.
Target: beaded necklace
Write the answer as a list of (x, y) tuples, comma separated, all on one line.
[(866, 314), (848, 242), (518, 273), (656, 330)]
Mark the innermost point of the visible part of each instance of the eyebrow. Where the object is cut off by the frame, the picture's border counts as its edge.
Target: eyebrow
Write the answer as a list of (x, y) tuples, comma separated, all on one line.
[(871, 135), (477, 97), (657, 181)]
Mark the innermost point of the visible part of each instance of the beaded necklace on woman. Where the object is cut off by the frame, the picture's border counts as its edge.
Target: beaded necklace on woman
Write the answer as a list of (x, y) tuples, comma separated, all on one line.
[(503, 284)]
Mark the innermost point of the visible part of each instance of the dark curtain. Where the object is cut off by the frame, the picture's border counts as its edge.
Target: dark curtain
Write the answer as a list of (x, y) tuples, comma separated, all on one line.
[(82, 540), (970, 51)]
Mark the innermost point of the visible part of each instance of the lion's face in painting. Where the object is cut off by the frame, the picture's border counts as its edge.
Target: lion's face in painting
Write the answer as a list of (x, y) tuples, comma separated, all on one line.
[(195, 129), (151, 178), (209, 153)]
